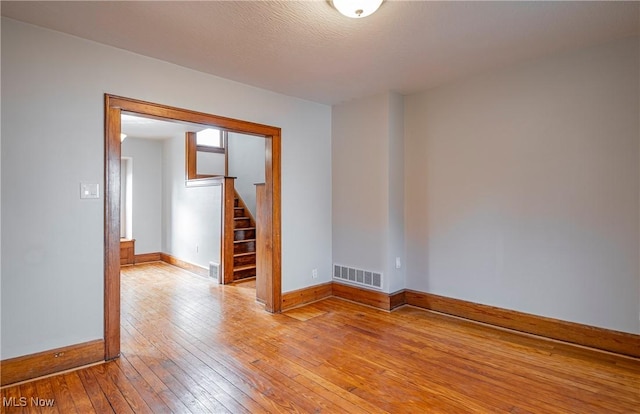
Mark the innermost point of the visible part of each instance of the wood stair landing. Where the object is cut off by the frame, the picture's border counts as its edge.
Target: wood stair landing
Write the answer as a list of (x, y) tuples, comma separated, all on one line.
[(244, 241)]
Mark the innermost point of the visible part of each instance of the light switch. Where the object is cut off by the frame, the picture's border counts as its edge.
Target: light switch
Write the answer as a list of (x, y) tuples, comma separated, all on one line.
[(89, 190)]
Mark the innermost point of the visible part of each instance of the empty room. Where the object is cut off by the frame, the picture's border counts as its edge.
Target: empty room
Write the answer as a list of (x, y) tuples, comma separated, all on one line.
[(336, 206)]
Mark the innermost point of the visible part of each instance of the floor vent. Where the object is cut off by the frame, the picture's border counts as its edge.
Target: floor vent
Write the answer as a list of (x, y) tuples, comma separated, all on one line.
[(214, 269), (357, 276)]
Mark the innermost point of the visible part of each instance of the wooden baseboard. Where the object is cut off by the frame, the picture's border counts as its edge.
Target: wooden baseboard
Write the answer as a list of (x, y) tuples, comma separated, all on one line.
[(378, 300), (190, 267), (593, 337), (585, 335), (48, 362), (148, 257), (307, 295), (397, 299), (127, 251)]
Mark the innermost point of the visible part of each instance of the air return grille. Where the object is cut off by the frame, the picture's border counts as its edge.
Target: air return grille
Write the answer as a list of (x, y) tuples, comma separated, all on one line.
[(357, 276), (214, 269)]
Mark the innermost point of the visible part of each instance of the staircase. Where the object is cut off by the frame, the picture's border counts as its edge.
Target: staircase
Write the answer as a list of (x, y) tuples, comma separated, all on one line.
[(244, 241)]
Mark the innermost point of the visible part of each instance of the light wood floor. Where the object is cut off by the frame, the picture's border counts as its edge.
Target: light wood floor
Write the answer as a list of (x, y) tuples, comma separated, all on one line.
[(189, 345)]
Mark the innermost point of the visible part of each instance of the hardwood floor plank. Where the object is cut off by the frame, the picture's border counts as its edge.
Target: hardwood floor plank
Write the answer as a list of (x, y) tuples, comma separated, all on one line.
[(343, 398), (374, 371), (28, 390), (351, 387), (63, 398), (225, 373), (13, 402), (157, 365), (190, 345), (44, 398), (114, 395), (513, 387), (232, 372), (557, 374), (98, 398), (215, 385), (194, 373), (211, 391), (167, 396), (449, 377), (114, 375), (78, 393), (146, 392)]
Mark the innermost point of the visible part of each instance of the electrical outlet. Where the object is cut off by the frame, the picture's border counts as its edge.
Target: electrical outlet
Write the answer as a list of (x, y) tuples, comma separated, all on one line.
[(398, 263), (314, 273)]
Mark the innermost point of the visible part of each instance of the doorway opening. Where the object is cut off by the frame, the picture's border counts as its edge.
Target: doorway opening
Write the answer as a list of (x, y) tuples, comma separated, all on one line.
[(271, 257)]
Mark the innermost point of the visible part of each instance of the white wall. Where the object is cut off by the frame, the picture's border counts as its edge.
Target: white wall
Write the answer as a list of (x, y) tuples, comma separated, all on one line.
[(360, 183), (367, 165), (210, 163), (168, 217), (192, 216), (246, 154), (306, 197), (147, 192), (395, 247), (53, 132), (522, 188), (126, 197)]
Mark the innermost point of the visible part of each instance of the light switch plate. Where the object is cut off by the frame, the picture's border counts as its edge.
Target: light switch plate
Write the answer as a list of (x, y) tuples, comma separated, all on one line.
[(89, 190)]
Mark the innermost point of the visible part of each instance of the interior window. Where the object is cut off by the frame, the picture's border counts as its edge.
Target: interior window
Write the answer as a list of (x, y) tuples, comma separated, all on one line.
[(209, 139), (206, 153)]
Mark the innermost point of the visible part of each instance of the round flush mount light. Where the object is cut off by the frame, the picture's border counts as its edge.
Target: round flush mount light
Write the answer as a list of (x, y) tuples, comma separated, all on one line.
[(356, 9)]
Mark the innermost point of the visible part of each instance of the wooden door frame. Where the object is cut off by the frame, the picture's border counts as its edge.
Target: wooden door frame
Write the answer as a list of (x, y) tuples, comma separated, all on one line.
[(114, 105)]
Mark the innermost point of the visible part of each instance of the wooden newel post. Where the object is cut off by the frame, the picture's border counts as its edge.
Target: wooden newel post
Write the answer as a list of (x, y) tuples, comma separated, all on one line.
[(228, 203)]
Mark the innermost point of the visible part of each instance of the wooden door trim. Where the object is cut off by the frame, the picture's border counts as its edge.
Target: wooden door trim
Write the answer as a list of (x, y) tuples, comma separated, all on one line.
[(112, 232), (114, 106), (164, 112)]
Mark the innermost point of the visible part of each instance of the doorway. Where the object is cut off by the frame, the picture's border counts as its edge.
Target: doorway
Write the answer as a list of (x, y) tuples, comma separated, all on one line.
[(114, 106)]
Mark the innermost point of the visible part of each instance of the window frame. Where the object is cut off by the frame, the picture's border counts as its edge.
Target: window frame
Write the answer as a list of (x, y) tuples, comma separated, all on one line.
[(191, 155), (209, 148)]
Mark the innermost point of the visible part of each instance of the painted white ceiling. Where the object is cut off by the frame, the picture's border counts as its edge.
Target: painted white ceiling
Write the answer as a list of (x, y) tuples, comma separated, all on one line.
[(306, 49), (135, 126)]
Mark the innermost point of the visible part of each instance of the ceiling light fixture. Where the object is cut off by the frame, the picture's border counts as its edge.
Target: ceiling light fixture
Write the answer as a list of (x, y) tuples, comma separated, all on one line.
[(122, 137), (356, 8)]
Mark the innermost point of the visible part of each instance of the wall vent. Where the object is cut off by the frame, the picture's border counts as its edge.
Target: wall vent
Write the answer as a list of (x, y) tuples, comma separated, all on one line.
[(357, 276), (214, 269)]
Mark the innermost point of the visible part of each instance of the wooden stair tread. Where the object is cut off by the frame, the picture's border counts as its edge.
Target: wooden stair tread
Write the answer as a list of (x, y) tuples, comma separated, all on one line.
[(243, 254), (243, 265)]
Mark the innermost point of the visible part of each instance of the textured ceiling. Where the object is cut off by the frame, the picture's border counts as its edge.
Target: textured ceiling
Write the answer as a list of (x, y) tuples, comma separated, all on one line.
[(306, 49)]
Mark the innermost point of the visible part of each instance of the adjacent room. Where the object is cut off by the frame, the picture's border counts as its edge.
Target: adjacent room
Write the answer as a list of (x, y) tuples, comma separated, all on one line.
[(171, 213), (320, 206)]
